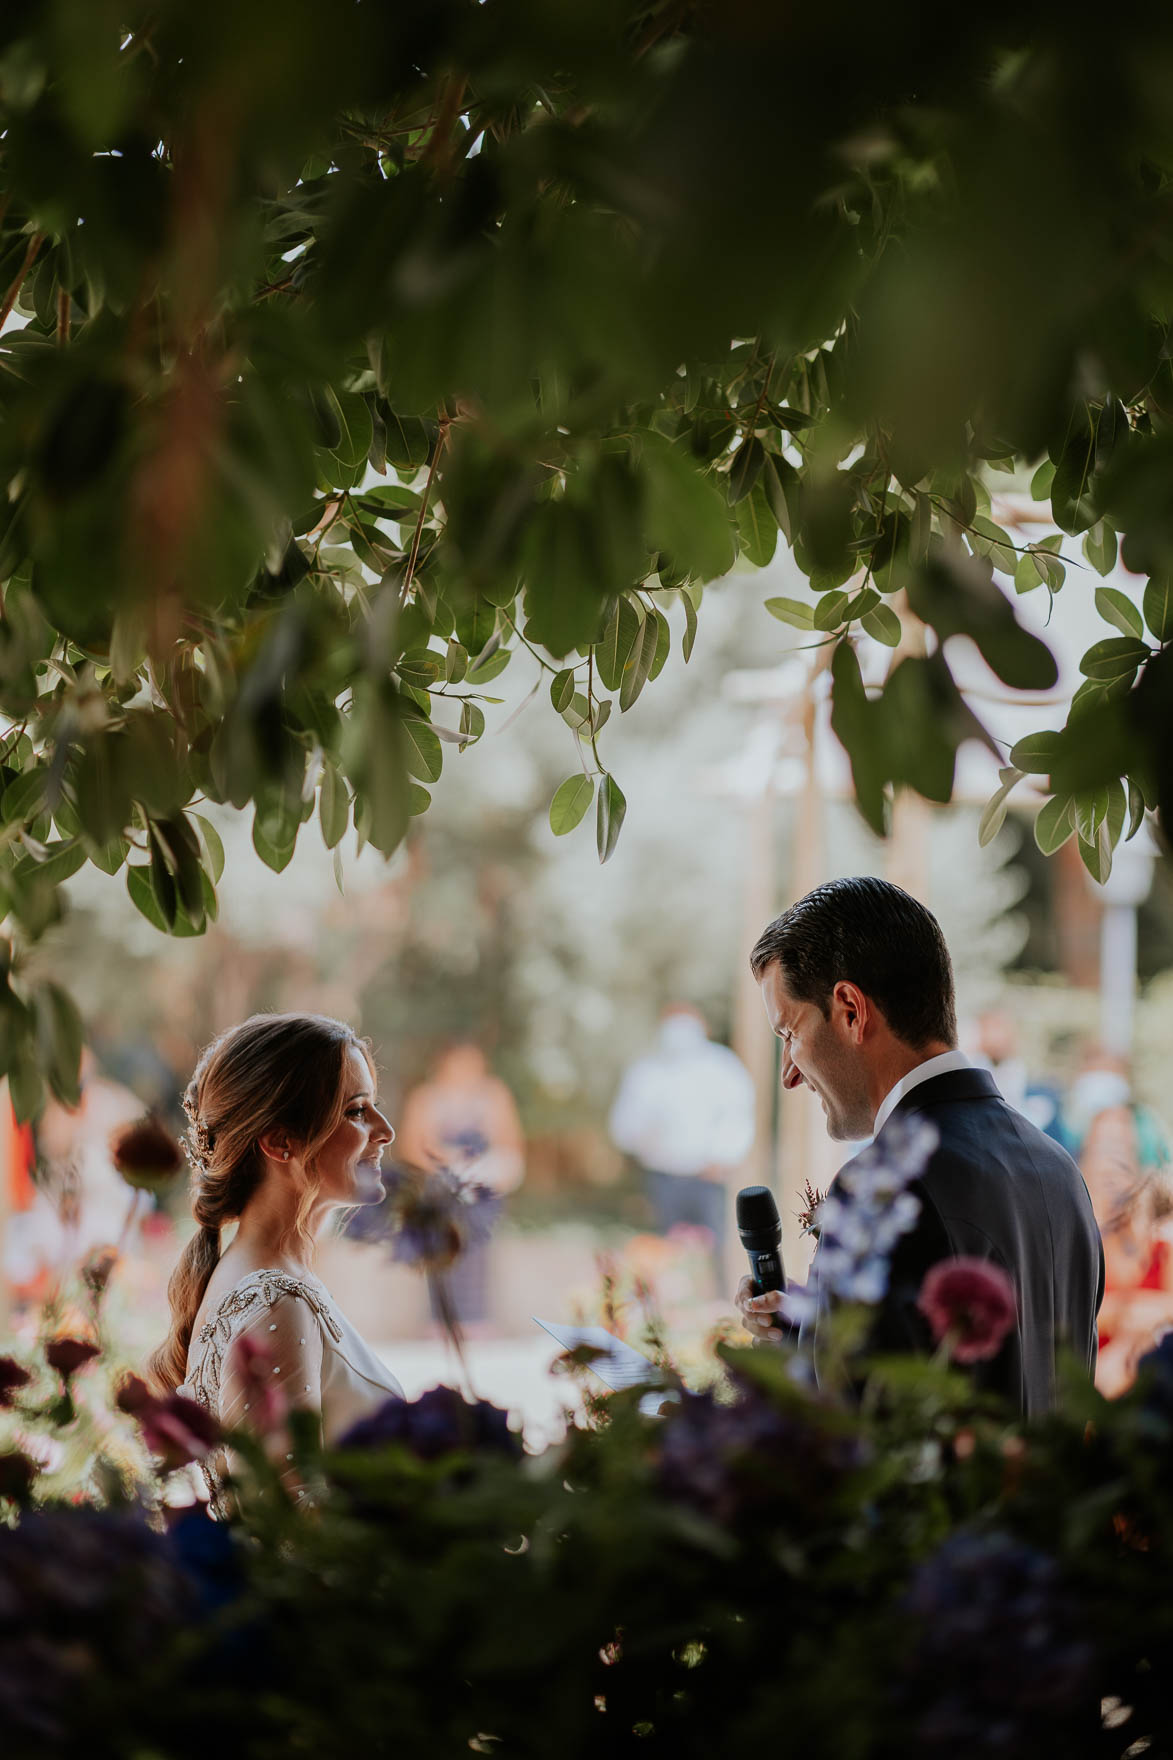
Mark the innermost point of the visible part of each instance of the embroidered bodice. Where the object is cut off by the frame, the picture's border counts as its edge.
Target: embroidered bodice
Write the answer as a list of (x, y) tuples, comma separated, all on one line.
[(316, 1357)]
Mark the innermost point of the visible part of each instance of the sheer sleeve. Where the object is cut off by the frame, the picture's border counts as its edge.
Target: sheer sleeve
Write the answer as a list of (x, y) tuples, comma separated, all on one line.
[(274, 1366)]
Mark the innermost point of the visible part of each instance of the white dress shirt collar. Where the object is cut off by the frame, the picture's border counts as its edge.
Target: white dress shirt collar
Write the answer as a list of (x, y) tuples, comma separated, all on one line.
[(942, 1065)]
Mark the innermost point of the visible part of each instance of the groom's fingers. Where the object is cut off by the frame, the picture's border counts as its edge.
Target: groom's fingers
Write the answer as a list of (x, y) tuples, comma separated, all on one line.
[(756, 1311)]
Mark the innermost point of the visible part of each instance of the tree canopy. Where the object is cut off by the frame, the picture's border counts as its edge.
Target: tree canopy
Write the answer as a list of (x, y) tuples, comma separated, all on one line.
[(366, 346)]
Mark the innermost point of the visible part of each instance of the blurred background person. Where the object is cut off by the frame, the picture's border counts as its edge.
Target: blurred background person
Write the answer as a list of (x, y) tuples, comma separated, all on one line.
[(80, 1200), (685, 1113), (995, 1047), (1124, 1154), (464, 1118)]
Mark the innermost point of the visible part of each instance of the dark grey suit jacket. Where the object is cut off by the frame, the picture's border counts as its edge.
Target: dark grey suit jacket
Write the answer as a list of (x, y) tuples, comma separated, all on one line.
[(997, 1188)]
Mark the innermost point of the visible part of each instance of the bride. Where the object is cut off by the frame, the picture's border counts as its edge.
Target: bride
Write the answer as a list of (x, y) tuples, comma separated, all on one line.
[(283, 1129)]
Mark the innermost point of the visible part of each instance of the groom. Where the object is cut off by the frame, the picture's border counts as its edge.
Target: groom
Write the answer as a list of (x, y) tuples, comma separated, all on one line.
[(857, 984)]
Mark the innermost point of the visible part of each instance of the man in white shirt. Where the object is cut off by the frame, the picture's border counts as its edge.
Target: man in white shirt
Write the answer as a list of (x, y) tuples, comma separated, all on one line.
[(857, 983), (685, 1112)]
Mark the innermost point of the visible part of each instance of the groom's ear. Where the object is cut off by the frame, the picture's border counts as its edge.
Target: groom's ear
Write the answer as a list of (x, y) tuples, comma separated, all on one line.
[(852, 1008)]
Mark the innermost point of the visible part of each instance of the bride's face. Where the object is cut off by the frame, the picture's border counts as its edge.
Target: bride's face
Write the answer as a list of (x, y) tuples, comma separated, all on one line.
[(348, 1162)]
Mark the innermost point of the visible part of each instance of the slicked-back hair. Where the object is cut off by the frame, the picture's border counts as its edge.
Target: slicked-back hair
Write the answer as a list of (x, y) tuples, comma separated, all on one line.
[(870, 933)]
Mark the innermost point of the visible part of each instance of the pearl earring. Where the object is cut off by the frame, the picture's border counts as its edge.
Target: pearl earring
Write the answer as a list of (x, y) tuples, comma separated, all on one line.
[(287, 1154)]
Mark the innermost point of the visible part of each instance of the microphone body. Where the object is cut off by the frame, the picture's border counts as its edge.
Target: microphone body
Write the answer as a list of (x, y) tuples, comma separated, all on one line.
[(760, 1228)]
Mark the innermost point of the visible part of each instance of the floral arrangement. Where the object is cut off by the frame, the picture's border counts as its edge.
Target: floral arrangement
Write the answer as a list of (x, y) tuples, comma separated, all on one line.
[(884, 1565)]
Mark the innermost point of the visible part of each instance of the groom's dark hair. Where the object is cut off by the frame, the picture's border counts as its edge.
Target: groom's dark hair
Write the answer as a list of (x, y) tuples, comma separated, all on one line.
[(871, 933)]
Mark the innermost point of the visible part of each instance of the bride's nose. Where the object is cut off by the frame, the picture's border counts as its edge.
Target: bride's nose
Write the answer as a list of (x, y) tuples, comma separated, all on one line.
[(383, 1132)]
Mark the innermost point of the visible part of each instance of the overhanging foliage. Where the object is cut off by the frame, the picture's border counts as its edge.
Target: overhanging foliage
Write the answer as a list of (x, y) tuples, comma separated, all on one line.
[(369, 345)]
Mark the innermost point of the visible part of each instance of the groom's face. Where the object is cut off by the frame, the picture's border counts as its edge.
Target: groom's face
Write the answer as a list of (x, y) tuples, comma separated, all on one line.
[(818, 1051)]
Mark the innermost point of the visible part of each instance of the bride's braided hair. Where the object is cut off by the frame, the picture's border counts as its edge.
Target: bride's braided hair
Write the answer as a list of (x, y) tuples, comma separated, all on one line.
[(274, 1072)]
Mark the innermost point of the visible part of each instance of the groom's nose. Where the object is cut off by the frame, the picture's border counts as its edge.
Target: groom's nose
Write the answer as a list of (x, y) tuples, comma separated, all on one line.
[(791, 1074)]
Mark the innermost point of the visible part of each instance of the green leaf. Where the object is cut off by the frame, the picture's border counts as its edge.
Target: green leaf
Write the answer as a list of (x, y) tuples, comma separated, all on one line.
[(746, 468), (422, 751), (1100, 547), (638, 665), (757, 527), (60, 1032), (621, 630), (472, 721), (138, 885), (1055, 823), (988, 539), (571, 800), (831, 609), (663, 643), (883, 625), (994, 815), (333, 806), (562, 688), (611, 809), (1136, 809), (854, 722), (1117, 657), (212, 846), (690, 627), (455, 661), (1035, 755), (792, 611), (687, 516), (1040, 483), (1158, 607), (772, 475), (1115, 608), (275, 855), (418, 799), (1090, 811), (1097, 855)]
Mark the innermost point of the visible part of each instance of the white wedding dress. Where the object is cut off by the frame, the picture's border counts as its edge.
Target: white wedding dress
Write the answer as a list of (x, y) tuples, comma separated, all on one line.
[(318, 1360)]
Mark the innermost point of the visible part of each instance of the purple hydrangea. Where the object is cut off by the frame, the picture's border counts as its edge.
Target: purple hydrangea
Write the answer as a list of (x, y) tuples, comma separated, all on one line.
[(440, 1422), (734, 1461), (429, 1219), (998, 1664)]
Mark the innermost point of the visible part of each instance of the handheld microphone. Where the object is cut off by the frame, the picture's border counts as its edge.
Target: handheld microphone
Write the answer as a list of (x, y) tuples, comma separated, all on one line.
[(760, 1228)]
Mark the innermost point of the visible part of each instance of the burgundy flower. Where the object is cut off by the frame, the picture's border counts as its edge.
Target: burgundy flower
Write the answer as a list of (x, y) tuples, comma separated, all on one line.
[(146, 1153), (971, 1302), (68, 1355), (17, 1474), (134, 1395), (13, 1375), (253, 1363), (178, 1430)]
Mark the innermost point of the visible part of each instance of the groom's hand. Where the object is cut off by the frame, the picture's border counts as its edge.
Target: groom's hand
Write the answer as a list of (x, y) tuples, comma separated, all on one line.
[(756, 1312)]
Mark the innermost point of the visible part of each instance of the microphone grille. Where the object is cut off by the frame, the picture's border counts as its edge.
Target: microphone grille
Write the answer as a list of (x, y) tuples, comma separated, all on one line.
[(756, 1208)]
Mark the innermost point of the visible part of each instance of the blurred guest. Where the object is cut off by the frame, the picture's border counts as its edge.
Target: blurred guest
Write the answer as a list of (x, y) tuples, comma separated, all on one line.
[(81, 1200), (996, 1048), (463, 1117), (1124, 1157), (685, 1112)]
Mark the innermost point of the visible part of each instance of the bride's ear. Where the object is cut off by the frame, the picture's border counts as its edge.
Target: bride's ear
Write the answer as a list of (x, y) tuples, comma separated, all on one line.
[(275, 1146)]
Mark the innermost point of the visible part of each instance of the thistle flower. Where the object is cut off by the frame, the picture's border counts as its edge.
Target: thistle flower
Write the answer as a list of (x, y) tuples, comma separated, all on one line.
[(97, 1268), (146, 1154), (13, 1375), (437, 1216), (68, 1355), (971, 1303)]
